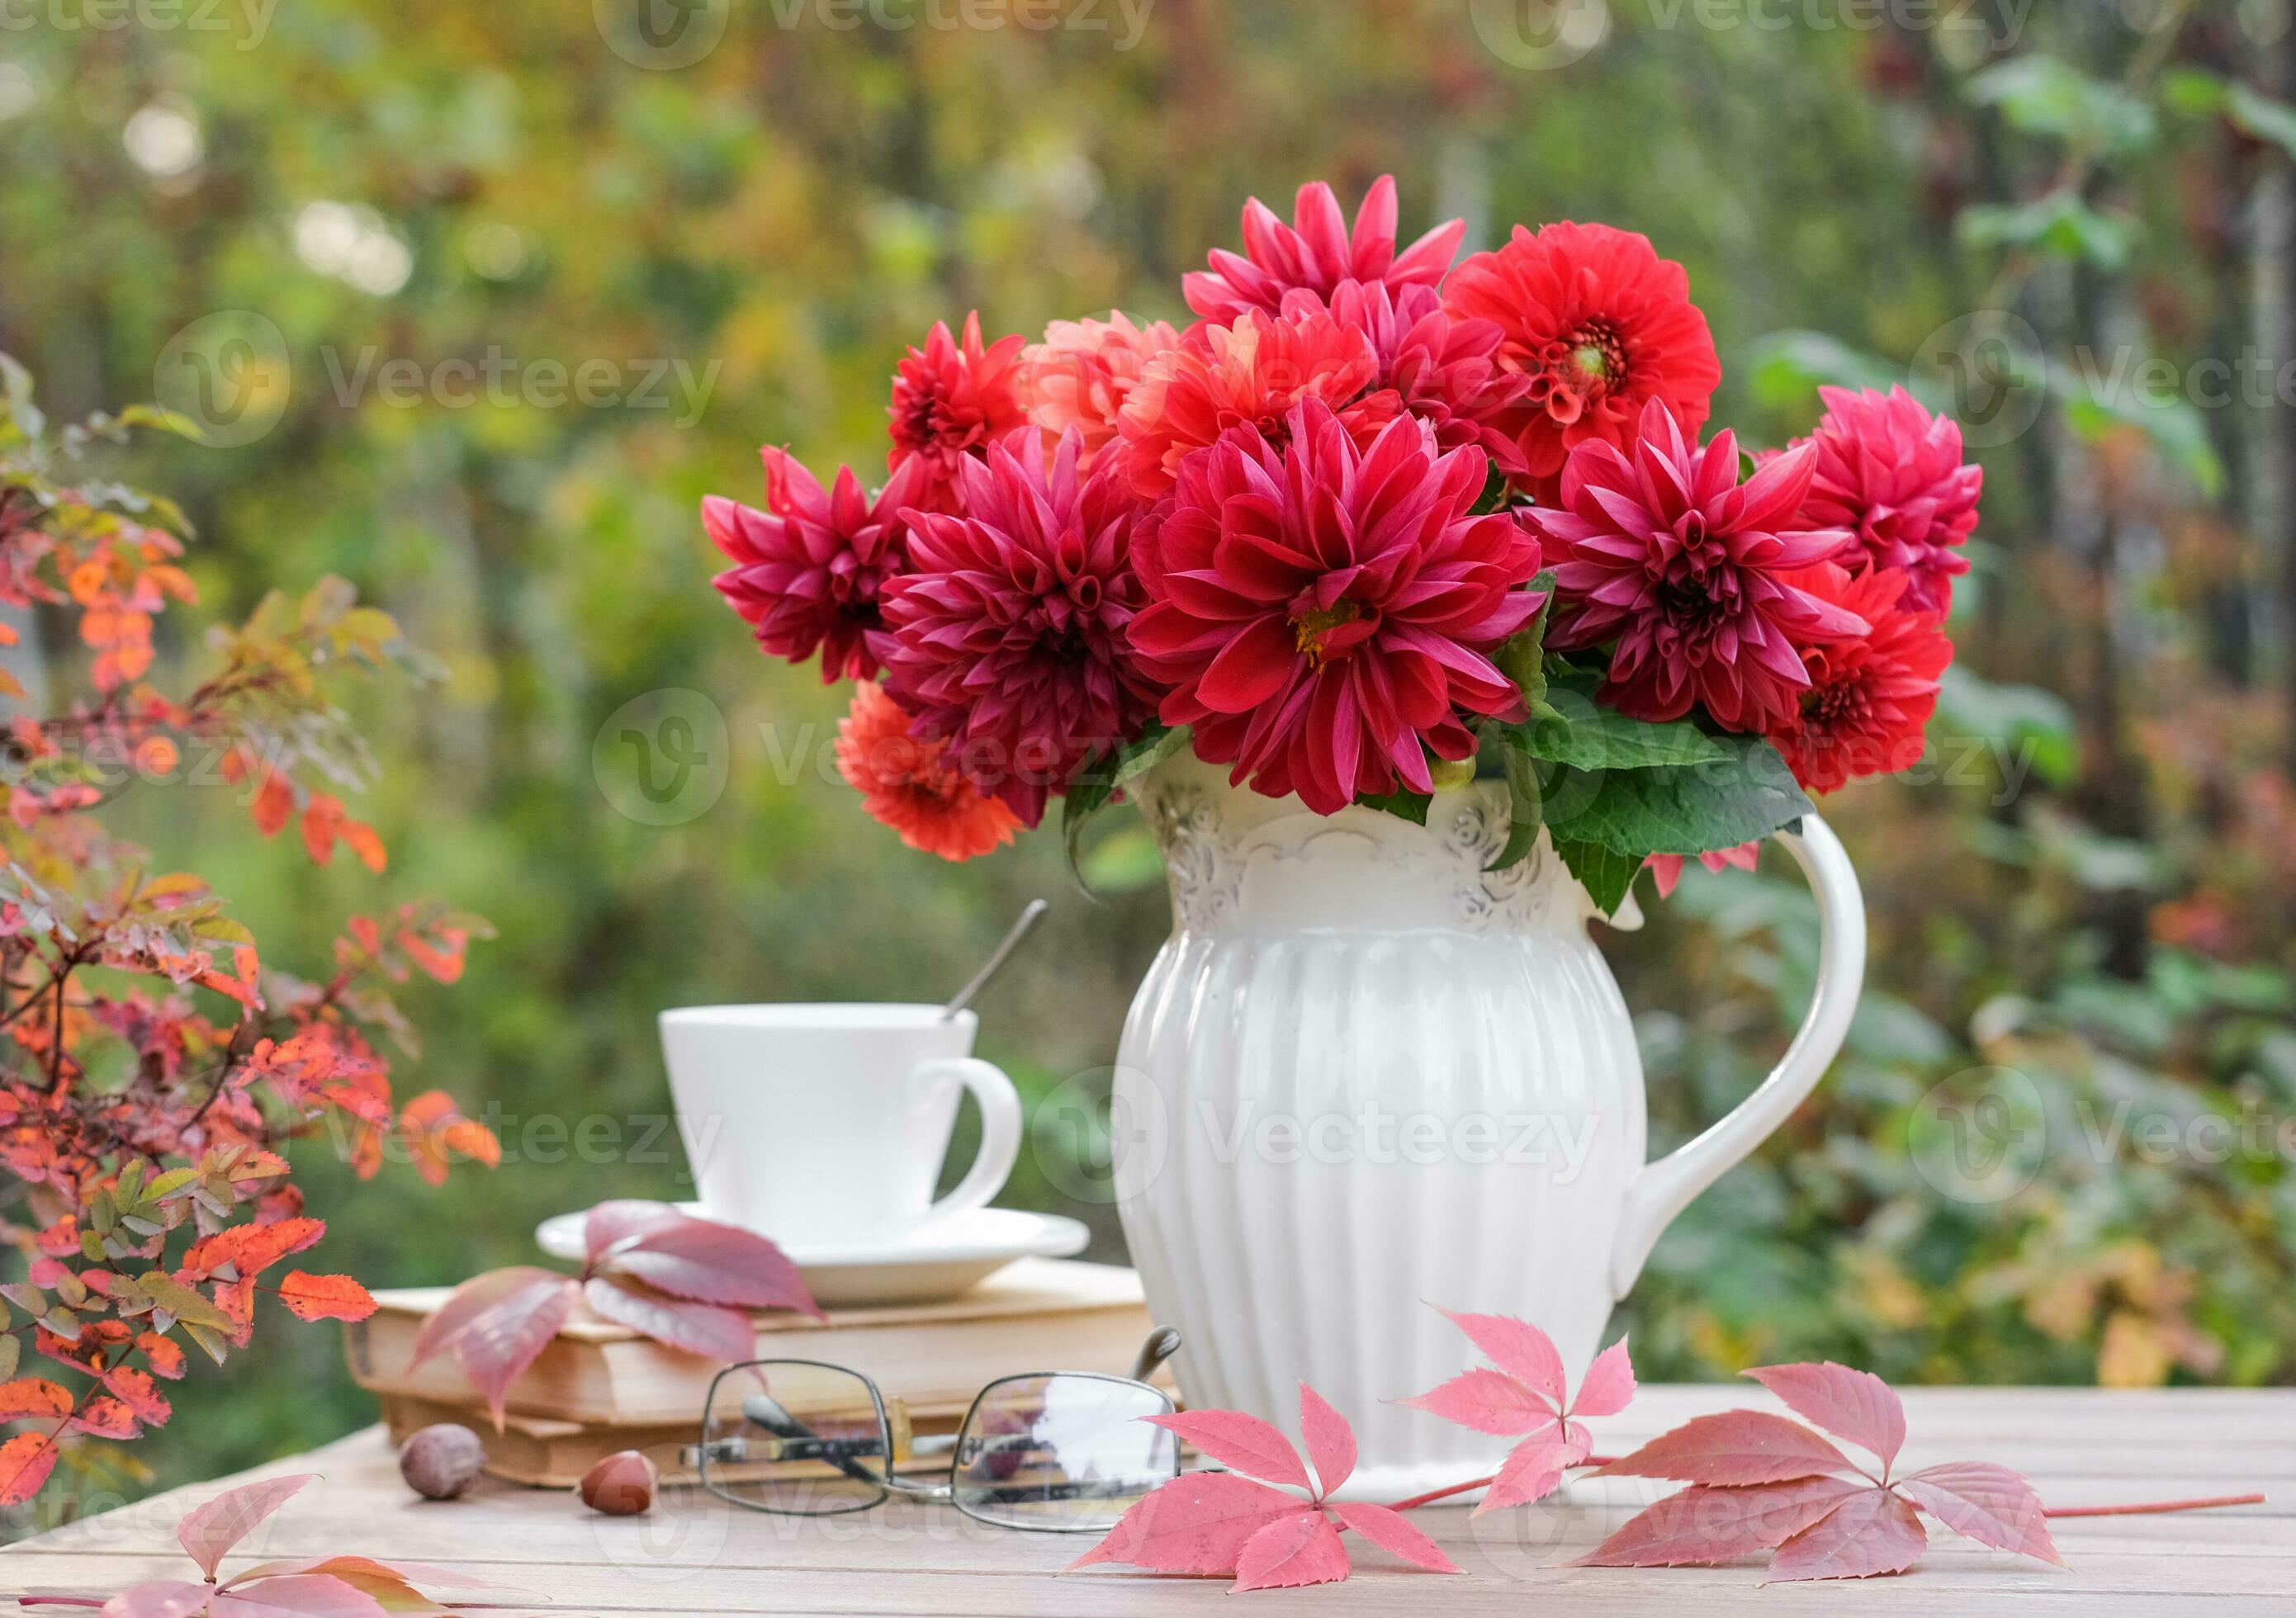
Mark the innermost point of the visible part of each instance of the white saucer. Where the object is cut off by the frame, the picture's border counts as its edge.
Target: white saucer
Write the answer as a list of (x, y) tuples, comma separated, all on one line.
[(944, 1259)]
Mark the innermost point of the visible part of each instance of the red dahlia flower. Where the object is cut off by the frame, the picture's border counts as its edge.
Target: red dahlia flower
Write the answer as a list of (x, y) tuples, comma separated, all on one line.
[(1892, 474), (1316, 252), (1007, 636), (1598, 326), (951, 401), (1252, 373), (1322, 612), (908, 784), (1869, 694), (810, 570), (1080, 375), (1445, 372), (1669, 556)]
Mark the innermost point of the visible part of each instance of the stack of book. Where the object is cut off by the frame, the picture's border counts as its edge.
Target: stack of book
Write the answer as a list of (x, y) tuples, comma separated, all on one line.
[(599, 1387)]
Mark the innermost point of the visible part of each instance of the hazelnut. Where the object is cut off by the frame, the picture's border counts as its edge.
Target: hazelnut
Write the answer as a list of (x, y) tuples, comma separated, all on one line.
[(620, 1485), (439, 1462)]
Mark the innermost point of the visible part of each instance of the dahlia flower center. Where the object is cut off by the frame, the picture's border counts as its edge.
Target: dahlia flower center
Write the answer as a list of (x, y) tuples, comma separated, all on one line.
[(1579, 371), (1841, 704), (1309, 627)]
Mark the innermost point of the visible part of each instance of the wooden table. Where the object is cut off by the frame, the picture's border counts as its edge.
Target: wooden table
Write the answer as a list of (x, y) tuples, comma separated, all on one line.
[(2080, 1447)]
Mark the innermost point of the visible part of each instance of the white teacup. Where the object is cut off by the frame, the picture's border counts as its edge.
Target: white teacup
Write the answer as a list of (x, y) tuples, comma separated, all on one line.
[(826, 1124)]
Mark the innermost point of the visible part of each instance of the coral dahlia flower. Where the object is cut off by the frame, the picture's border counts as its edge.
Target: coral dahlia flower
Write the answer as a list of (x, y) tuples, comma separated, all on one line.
[(1598, 326), (1445, 372), (907, 783), (1322, 612), (1317, 251), (1871, 694), (952, 399), (1688, 571), (1007, 636), (810, 571), (1251, 373), (1666, 869), (1893, 475), (1080, 375)]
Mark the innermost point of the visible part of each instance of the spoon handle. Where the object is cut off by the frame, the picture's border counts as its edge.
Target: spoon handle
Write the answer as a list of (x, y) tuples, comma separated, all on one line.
[(964, 998)]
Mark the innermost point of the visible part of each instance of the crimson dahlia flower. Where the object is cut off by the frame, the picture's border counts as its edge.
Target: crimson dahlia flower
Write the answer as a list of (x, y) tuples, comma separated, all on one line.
[(1688, 571), (952, 399), (1597, 325), (906, 782), (1871, 694), (810, 571), (1080, 375), (1893, 475), (1007, 636), (1316, 252), (1444, 371), (1322, 613), (1252, 372)]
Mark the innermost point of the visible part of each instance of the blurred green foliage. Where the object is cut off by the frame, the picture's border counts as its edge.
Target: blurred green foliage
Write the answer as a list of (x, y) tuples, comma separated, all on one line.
[(2090, 890)]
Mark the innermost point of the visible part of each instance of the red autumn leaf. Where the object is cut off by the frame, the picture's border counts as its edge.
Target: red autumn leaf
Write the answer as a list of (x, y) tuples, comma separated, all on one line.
[(1304, 1549), (1394, 1534), (708, 1329), (500, 1341), (1732, 1448), (1196, 1523), (1526, 1397), (464, 1304), (29, 1396), (25, 1462), (1851, 1404), (1872, 1532), (1989, 1504), (1705, 1526), (713, 1263), (247, 1250), (208, 1531), (1244, 1442), (105, 1417), (363, 842), (445, 964), (295, 1595), (275, 801), (432, 1126), (612, 1222), (137, 1391), (165, 1358), (325, 1297), (354, 1568)]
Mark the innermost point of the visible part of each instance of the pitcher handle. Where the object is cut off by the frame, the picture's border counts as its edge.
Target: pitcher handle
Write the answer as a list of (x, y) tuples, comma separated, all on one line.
[(1663, 1189)]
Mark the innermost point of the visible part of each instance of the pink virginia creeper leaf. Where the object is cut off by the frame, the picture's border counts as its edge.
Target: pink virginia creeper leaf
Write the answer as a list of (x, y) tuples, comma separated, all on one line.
[(1609, 1386), (302, 1595), (1519, 1349), (499, 1342), (1735, 1447), (1533, 1469), (1302, 1549), (1526, 1398), (1196, 1523), (1330, 1442), (1394, 1534), (1989, 1504), (706, 1262), (1703, 1525), (208, 1531), (1488, 1401), (1872, 1532), (1851, 1404), (159, 1599), (1244, 1442), (707, 1330), (610, 1222)]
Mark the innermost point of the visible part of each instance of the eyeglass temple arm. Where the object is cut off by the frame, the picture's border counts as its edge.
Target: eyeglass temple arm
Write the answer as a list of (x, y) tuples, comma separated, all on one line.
[(763, 1410), (1163, 1343)]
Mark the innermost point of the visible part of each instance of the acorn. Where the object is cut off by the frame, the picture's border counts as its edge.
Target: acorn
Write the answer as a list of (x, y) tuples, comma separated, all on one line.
[(620, 1485), (439, 1462)]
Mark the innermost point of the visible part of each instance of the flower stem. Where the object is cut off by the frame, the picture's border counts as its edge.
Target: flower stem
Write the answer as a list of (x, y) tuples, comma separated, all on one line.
[(1432, 1495), (2153, 1508)]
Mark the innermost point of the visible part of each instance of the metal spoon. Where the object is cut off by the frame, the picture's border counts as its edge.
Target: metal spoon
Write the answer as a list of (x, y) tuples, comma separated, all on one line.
[(1028, 918)]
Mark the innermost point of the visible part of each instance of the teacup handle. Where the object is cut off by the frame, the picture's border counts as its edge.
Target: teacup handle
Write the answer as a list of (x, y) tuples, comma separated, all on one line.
[(1663, 1189), (1000, 1132)]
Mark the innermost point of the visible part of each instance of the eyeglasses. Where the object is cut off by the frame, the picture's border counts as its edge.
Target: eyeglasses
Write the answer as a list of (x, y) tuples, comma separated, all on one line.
[(1067, 1451)]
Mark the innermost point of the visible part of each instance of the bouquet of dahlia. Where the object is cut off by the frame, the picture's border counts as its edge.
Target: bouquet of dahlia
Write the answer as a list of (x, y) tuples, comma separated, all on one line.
[(1374, 522)]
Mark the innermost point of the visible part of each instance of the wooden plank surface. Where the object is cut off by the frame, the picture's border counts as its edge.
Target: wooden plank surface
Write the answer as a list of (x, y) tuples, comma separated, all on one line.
[(697, 1555)]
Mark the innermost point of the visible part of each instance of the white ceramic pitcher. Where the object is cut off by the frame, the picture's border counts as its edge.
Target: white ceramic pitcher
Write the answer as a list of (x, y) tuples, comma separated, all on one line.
[(1365, 1075)]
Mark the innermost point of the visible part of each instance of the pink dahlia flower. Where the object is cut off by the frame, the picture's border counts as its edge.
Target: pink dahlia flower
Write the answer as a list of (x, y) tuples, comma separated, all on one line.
[(1686, 568), (1322, 612), (952, 399), (1870, 696), (810, 571), (1446, 372), (1893, 475), (1316, 252), (1080, 375), (1597, 325), (1249, 374), (1007, 636)]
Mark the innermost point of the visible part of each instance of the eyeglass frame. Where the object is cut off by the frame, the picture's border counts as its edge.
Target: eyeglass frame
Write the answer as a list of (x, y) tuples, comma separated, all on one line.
[(1161, 1345)]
